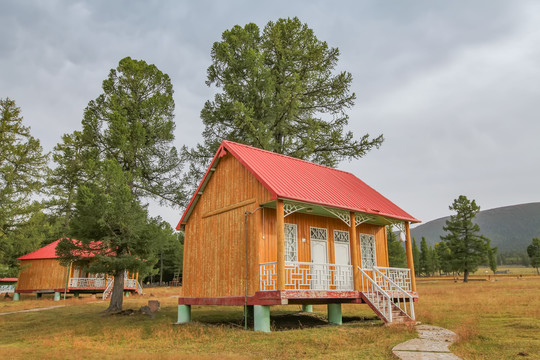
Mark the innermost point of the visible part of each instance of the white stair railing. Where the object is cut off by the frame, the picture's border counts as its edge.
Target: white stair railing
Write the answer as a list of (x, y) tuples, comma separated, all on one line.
[(139, 289), (377, 296), (108, 289), (398, 294)]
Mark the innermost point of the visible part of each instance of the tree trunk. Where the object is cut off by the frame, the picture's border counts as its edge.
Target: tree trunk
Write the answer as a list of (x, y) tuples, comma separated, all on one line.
[(466, 276), (117, 296), (537, 272)]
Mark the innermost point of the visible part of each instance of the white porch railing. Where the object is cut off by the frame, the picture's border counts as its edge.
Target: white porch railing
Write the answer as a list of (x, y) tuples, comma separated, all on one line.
[(400, 297), (7, 288), (87, 282), (130, 283), (401, 277), (307, 276)]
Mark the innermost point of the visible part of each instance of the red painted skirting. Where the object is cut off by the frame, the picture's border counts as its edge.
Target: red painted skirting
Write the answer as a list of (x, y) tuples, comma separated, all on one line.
[(283, 297), (278, 298)]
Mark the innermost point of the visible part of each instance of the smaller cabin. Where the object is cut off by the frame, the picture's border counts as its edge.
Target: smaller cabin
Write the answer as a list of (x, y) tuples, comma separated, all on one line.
[(266, 229), (41, 273)]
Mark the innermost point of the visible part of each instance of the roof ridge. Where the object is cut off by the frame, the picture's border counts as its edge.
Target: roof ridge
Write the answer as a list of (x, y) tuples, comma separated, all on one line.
[(287, 156)]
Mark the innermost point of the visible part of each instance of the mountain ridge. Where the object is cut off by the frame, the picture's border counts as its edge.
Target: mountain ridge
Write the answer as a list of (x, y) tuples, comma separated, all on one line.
[(510, 228)]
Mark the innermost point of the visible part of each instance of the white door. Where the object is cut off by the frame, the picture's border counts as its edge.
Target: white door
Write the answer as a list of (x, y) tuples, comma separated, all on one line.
[(343, 273), (319, 259)]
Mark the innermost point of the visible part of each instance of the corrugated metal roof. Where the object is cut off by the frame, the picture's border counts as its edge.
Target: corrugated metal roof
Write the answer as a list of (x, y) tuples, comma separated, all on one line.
[(49, 252), (289, 178)]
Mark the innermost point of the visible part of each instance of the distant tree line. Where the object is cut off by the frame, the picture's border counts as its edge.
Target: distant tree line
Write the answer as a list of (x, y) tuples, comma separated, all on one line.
[(462, 250)]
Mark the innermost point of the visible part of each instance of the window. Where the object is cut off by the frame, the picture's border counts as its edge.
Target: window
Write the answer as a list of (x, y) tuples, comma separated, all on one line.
[(367, 251), (318, 233), (341, 236), (291, 244)]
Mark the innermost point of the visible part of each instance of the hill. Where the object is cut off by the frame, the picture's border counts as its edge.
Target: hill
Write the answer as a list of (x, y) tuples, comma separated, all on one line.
[(508, 227)]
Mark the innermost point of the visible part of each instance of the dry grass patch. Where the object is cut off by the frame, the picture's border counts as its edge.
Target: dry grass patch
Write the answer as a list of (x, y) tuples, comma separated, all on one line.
[(493, 320), (82, 332)]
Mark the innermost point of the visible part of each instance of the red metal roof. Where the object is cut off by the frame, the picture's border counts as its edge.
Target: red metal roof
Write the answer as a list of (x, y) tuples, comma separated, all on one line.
[(49, 252), (9, 279), (289, 178)]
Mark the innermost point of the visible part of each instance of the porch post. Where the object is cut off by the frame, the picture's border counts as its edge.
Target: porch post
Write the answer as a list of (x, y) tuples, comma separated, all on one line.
[(410, 260), (280, 234), (334, 314), (354, 252), (184, 314), (261, 321)]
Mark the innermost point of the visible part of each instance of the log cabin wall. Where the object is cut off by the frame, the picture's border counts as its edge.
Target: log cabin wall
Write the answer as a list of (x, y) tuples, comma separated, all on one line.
[(41, 274), (214, 234), (304, 222)]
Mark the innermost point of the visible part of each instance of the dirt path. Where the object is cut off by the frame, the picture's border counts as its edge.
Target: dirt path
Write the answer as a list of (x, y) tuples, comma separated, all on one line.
[(30, 310), (432, 343)]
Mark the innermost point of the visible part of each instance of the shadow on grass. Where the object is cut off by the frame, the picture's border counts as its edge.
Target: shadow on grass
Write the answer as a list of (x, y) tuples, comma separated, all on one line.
[(294, 321)]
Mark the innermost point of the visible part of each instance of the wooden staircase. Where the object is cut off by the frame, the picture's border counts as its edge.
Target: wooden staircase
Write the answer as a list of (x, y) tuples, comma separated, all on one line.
[(388, 300)]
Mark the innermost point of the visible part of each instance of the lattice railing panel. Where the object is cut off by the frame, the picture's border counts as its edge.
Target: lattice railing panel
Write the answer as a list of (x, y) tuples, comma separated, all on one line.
[(307, 276), (268, 276), (87, 282), (400, 276)]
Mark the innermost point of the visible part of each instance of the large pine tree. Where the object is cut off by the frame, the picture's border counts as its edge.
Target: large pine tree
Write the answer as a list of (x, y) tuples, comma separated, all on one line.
[(107, 172), (280, 91), (23, 166), (468, 247)]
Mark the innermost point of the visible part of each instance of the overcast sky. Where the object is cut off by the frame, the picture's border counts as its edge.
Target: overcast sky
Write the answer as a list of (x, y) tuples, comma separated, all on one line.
[(454, 86)]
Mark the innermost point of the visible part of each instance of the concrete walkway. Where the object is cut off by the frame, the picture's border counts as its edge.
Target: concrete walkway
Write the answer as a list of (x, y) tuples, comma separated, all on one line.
[(432, 343)]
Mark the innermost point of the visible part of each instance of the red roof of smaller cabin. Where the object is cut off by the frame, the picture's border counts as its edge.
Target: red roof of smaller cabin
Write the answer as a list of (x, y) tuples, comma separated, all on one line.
[(290, 178), (49, 252), (9, 279)]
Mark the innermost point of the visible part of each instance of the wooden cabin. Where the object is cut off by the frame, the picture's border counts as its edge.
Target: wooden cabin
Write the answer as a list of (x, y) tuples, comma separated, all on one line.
[(266, 229), (41, 272)]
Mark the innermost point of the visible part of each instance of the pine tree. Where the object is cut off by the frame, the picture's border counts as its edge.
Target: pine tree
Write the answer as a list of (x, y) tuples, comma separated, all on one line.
[(122, 157), (468, 247), (396, 252), (280, 92), (416, 257), (533, 251), (23, 166)]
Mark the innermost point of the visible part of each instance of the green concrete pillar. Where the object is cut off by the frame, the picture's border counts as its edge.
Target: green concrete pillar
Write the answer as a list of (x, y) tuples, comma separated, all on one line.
[(126, 293), (16, 297), (39, 295), (56, 296), (307, 308), (184, 314), (334, 314), (261, 318)]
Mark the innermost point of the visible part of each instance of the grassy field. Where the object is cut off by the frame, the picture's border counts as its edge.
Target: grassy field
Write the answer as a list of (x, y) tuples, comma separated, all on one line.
[(494, 320)]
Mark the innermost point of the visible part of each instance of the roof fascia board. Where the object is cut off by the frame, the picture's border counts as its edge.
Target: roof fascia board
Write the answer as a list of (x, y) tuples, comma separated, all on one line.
[(200, 189)]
